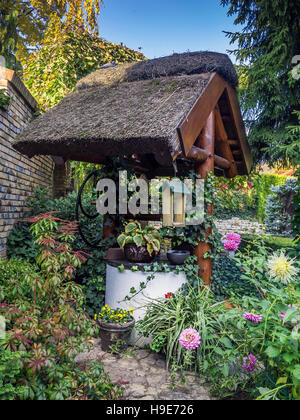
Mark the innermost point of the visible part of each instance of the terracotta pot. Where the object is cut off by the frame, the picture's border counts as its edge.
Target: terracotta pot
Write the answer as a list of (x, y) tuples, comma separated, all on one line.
[(138, 254), (111, 333)]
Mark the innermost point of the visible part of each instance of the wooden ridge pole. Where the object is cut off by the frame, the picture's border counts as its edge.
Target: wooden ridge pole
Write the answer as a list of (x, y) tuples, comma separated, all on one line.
[(206, 141)]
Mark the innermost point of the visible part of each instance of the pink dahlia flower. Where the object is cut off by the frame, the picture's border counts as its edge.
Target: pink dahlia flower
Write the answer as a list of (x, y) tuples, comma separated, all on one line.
[(230, 246), (190, 339), (234, 237), (249, 363), (256, 319)]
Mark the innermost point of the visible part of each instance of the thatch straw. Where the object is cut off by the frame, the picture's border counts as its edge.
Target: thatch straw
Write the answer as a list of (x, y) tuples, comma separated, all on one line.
[(174, 65), (130, 108)]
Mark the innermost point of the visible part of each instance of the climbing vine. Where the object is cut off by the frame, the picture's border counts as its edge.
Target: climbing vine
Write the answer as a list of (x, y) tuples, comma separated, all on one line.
[(185, 237)]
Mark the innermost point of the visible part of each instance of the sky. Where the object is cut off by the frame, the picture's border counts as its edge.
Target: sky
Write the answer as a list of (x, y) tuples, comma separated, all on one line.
[(162, 27)]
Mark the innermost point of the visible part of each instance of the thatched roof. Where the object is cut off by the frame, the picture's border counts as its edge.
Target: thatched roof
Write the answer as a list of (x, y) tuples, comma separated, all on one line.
[(174, 65), (129, 108)]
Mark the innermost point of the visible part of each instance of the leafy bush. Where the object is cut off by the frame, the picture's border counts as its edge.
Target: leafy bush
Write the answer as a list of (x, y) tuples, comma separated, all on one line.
[(235, 197), (279, 207), (91, 274), (263, 185), (10, 370), (227, 281), (273, 242), (46, 321)]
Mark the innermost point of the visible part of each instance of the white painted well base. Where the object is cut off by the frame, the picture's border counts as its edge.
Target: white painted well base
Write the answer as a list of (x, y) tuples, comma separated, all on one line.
[(118, 285)]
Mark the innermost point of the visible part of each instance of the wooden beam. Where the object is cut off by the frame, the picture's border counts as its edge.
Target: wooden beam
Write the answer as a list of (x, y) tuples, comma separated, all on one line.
[(191, 126), (240, 128), (223, 146), (206, 141), (196, 153), (234, 143), (222, 163)]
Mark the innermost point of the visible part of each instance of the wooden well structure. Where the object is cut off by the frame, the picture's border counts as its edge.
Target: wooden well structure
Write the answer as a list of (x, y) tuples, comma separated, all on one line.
[(161, 112)]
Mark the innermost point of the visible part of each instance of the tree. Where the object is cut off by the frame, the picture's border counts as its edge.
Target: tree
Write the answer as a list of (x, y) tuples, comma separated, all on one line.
[(8, 36), (269, 91), (37, 19), (54, 70)]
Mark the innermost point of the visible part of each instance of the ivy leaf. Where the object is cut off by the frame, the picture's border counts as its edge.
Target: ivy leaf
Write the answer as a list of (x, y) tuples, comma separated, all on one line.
[(272, 351), (225, 370)]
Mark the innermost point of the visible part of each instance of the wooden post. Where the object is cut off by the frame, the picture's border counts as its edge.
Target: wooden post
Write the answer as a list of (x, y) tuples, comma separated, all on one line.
[(206, 141)]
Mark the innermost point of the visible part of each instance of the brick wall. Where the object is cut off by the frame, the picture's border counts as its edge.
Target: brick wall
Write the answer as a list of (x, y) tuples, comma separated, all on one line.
[(18, 175)]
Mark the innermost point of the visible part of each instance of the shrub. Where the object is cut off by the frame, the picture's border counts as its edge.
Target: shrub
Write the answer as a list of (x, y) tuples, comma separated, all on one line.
[(263, 185), (235, 197), (227, 281), (91, 274), (45, 318), (280, 209), (273, 242), (10, 370)]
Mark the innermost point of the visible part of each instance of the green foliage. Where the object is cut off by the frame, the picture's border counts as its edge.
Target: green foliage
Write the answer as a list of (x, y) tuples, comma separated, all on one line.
[(4, 99), (266, 44), (20, 243), (263, 185), (227, 338), (279, 207), (54, 70), (227, 279), (166, 319), (8, 35), (235, 197), (273, 242), (10, 370), (44, 313), (134, 234), (91, 274)]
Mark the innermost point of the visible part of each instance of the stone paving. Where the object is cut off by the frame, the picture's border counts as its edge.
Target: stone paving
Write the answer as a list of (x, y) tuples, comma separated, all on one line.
[(145, 375)]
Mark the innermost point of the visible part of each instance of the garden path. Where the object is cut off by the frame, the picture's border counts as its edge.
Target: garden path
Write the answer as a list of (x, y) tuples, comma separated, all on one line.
[(145, 375)]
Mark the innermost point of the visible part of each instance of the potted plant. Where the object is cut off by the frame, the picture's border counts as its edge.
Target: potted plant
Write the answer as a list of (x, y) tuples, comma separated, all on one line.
[(140, 244), (115, 327)]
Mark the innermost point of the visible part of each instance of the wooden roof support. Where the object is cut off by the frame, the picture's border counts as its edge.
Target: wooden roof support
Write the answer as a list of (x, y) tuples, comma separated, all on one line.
[(223, 146), (238, 121), (222, 163), (206, 141), (191, 126), (197, 154)]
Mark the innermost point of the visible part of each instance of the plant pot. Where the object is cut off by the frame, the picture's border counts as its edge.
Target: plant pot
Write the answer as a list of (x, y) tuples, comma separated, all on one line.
[(111, 333), (177, 257), (138, 254)]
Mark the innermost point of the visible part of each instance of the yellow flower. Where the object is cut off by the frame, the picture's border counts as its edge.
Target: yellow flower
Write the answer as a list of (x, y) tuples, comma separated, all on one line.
[(281, 268), (95, 317)]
